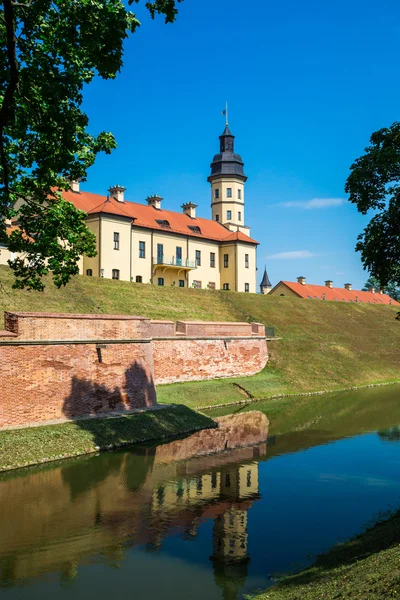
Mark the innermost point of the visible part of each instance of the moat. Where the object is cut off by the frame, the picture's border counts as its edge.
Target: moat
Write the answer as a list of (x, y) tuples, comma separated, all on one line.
[(141, 524)]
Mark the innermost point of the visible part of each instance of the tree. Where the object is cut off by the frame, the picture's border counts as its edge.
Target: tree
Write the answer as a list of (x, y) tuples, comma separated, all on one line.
[(48, 50), (391, 288), (374, 184)]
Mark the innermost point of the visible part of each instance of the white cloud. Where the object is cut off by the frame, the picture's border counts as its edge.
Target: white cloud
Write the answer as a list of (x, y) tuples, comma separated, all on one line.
[(293, 255), (314, 203)]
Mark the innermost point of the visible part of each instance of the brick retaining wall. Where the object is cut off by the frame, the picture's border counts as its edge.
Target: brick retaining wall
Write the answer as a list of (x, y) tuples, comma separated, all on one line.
[(192, 360), (56, 367)]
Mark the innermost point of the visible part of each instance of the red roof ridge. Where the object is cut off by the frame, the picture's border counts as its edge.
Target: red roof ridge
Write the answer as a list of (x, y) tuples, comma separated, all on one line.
[(309, 290), (147, 216)]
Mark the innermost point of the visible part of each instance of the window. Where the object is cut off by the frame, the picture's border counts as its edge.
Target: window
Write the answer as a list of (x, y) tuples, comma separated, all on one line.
[(212, 259), (211, 285), (142, 249), (115, 273), (246, 287), (179, 255), (228, 215), (197, 284), (160, 253), (161, 281), (194, 228), (181, 283), (239, 194), (229, 192), (225, 286), (163, 223), (139, 279), (248, 478), (226, 261), (116, 240), (217, 218), (246, 261), (216, 193), (198, 258), (239, 216), (89, 272)]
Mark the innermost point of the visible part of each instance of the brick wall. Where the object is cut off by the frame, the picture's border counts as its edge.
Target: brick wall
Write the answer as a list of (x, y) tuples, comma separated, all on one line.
[(60, 382), (213, 329), (192, 360), (60, 367), (48, 326), (162, 328)]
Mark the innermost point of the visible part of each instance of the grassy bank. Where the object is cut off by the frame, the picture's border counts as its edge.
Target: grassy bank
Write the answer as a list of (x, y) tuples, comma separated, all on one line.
[(365, 568), (22, 447), (324, 346)]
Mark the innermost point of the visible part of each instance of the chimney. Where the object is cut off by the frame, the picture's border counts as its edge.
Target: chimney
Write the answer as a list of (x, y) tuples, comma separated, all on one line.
[(189, 209), (154, 201), (380, 291), (372, 290), (329, 283), (117, 192), (74, 183), (301, 280), (348, 286)]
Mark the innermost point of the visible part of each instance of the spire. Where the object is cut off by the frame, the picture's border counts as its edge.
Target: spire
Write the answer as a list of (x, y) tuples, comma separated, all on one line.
[(265, 285)]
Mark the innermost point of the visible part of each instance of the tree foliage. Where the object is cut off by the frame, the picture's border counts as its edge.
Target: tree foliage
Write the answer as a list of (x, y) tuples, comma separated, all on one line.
[(49, 49), (374, 184)]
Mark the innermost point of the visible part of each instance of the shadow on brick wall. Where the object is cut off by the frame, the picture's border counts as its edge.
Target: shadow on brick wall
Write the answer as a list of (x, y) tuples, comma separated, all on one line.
[(91, 399)]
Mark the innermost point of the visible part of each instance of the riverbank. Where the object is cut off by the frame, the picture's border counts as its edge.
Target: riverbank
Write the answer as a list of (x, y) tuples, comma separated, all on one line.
[(365, 568), (230, 393), (30, 446)]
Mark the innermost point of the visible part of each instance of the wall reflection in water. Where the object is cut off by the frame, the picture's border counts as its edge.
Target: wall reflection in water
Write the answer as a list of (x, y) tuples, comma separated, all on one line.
[(55, 519)]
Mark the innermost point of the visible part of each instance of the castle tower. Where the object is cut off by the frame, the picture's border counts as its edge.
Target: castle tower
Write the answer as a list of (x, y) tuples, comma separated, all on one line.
[(265, 285), (227, 185)]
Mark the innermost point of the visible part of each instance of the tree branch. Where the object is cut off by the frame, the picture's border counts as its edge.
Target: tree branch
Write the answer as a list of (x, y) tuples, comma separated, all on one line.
[(11, 87)]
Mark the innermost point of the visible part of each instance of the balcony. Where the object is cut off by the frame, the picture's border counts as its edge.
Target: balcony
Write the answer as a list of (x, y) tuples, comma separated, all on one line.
[(174, 263)]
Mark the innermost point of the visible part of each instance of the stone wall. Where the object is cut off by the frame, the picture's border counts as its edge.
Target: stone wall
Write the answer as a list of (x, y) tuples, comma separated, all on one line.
[(56, 367)]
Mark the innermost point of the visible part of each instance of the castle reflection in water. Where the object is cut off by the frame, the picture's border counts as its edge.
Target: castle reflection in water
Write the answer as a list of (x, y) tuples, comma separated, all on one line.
[(57, 518)]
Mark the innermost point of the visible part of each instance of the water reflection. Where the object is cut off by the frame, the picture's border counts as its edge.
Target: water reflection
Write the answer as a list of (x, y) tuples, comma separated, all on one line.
[(55, 519)]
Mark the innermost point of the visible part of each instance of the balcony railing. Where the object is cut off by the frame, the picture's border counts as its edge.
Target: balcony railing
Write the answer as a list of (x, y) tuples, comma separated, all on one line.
[(172, 261)]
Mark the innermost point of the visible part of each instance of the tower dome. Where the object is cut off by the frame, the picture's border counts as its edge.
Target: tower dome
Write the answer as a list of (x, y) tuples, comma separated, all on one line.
[(227, 162)]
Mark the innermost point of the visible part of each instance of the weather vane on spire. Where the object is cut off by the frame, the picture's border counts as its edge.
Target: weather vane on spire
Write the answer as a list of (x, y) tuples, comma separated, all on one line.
[(225, 113)]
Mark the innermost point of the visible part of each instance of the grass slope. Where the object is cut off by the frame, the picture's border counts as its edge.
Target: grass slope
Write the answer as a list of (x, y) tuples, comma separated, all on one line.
[(22, 447), (365, 568), (324, 346)]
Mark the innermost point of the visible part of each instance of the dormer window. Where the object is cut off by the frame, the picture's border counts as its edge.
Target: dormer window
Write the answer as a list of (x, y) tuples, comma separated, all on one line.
[(194, 228), (163, 223)]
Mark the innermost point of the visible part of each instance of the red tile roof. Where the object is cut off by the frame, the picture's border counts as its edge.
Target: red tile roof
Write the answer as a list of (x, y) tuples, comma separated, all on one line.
[(316, 292), (147, 216)]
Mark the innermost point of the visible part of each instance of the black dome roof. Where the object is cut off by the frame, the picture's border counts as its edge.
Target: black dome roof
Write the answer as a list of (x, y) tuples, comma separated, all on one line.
[(227, 162)]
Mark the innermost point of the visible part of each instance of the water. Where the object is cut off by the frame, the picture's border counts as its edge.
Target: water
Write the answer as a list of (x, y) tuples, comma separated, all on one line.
[(145, 525)]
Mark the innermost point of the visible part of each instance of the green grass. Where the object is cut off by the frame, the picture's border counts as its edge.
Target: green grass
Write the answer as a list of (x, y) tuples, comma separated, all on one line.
[(20, 447), (365, 568), (324, 346)]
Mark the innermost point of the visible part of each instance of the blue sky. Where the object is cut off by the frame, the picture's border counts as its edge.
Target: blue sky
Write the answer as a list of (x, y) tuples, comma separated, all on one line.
[(307, 83)]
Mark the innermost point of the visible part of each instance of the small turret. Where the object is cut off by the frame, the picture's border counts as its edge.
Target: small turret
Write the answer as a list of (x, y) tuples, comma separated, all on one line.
[(265, 285)]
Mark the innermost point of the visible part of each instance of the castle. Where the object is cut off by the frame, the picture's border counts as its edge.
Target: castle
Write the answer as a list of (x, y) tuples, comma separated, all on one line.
[(148, 244)]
